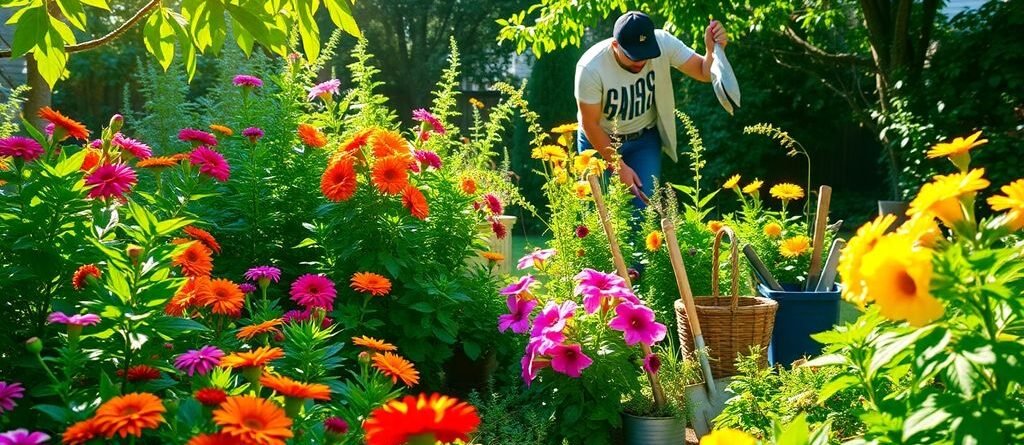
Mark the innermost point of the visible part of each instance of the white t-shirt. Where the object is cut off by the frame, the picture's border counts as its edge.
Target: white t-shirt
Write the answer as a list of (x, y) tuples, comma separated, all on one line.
[(626, 98)]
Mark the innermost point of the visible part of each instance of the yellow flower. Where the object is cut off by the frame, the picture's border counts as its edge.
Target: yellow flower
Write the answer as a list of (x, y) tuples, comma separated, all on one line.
[(787, 191), (596, 166), (224, 130), (476, 103), (654, 240), (552, 153), (923, 229), (582, 161), (1012, 201), (957, 151), (732, 183), (5, 163), (772, 230), (571, 127), (728, 436), (561, 176), (853, 254), (897, 276), (795, 246), (582, 189), (753, 187), (946, 194), (493, 257), (714, 226)]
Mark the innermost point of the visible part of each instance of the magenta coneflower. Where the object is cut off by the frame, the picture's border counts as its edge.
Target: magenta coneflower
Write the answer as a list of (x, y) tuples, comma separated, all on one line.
[(245, 80), (22, 436), (210, 162), (494, 204), (428, 159), (132, 146), (247, 288), (499, 229), (324, 90), (314, 291), (20, 147), (197, 137), (253, 133), (423, 115), (199, 361), (268, 273), (9, 392), (75, 320), (336, 425), (111, 180)]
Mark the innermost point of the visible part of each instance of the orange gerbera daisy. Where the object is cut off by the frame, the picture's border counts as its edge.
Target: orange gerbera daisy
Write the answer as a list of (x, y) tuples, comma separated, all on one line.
[(396, 367), (296, 389), (389, 143), (311, 136), (413, 199), (391, 175), (252, 359), (493, 257), (226, 297), (354, 145), (203, 237), (78, 280), (194, 291), (158, 162), (252, 420), (195, 261), (371, 283), (468, 186), (339, 180), (67, 125), (80, 433), (373, 344), (91, 159), (212, 439), (266, 327), (445, 418), (129, 415), (222, 130)]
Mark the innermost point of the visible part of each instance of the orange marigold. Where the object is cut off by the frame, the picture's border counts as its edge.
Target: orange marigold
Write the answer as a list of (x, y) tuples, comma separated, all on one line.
[(339, 181), (158, 162), (195, 261), (294, 388), (203, 237), (373, 344), (266, 327), (67, 125), (222, 130), (493, 257), (468, 186), (396, 367), (255, 358), (78, 280), (311, 136), (129, 415), (388, 143), (445, 418), (371, 283), (413, 199), (80, 433), (226, 298), (391, 175), (253, 421)]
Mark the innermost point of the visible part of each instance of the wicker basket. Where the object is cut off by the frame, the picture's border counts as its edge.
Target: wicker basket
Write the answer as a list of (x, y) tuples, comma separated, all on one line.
[(730, 326)]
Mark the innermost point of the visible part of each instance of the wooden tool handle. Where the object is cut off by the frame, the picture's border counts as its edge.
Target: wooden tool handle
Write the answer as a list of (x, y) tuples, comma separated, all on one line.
[(820, 221), (682, 281)]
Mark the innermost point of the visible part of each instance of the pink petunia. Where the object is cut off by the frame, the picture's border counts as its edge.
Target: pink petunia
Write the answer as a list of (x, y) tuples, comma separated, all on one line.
[(518, 318), (428, 159), (111, 180), (131, 146), (247, 81), (199, 361), (535, 258), (551, 321), (211, 163), (73, 320), (423, 115), (569, 360), (324, 90), (20, 147), (197, 137), (521, 287), (22, 436), (600, 289), (9, 392), (314, 291), (637, 322), (533, 361)]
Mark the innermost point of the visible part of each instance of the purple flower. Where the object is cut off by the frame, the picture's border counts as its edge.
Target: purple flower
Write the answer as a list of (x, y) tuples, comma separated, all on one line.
[(551, 321), (297, 316), (652, 363), (535, 258), (197, 137), (22, 436), (637, 322), (247, 288), (253, 133), (132, 146), (599, 288), (336, 425), (582, 231), (20, 147), (428, 159), (247, 81), (518, 317), (569, 360), (519, 287), (494, 205), (49, 129), (423, 115), (8, 393), (269, 273), (324, 90), (73, 320), (314, 291), (96, 143), (199, 361)]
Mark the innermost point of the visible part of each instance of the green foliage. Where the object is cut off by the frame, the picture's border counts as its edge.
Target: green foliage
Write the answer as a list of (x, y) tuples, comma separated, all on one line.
[(510, 416), (9, 110)]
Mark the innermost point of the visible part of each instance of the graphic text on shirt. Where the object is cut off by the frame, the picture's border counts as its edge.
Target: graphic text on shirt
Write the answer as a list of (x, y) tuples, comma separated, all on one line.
[(630, 101)]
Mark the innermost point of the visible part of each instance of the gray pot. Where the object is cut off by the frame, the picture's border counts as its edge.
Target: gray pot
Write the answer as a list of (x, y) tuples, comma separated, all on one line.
[(639, 430)]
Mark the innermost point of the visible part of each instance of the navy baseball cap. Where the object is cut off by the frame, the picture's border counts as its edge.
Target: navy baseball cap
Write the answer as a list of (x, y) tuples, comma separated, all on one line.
[(634, 31)]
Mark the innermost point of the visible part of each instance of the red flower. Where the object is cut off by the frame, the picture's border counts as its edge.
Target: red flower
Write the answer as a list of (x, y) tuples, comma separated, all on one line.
[(141, 373), (446, 418), (412, 199), (211, 396), (78, 281)]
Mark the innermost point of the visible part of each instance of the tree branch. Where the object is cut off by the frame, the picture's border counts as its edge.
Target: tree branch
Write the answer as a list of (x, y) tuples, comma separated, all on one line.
[(826, 56), (901, 34), (109, 37)]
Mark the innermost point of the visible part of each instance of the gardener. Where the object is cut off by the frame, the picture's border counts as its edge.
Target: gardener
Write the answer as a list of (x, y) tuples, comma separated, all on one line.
[(624, 91)]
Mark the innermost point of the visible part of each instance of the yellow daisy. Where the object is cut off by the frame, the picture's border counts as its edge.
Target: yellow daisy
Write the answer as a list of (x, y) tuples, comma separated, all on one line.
[(945, 196), (753, 187), (787, 191), (897, 276), (1012, 201), (852, 255), (795, 246), (654, 241), (958, 150), (732, 183), (772, 230)]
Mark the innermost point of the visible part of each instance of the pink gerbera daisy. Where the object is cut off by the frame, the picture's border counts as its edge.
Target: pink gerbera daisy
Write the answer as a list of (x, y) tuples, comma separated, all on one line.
[(269, 273), (73, 320), (132, 146), (253, 133), (324, 90), (199, 361), (211, 163), (22, 436), (111, 180), (20, 147), (428, 159), (197, 137), (8, 393), (494, 204), (245, 80), (423, 115), (314, 291)]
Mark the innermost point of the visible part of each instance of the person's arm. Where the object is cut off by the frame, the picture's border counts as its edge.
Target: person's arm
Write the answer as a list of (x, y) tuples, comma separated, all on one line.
[(699, 67), (590, 115)]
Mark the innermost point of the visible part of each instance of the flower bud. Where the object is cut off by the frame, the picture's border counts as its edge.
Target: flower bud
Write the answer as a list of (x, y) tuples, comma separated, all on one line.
[(116, 122), (134, 252), (364, 358), (34, 345)]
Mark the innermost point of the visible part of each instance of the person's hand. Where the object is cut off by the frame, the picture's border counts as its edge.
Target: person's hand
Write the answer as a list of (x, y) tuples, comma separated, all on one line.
[(715, 33), (628, 176)]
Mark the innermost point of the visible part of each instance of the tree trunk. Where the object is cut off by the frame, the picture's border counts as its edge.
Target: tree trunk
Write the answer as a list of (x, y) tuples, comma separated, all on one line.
[(39, 95)]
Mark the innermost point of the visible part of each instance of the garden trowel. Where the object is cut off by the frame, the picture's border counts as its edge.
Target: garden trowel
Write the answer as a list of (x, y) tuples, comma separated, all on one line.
[(723, 80)]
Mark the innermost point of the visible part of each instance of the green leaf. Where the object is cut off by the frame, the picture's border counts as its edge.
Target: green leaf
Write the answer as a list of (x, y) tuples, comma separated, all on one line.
[(189, 413), (890, 348), (172, 326), (57, 413), (795, 433), (923, 420), (308, 29), (472, 349), (70, 165), (249, 22), (108, 389), (188, 48), (422, 306), (73, 12), (102, 4), (51, 58), (837, 384), (341, 15), (826, 360), (30, 31), (159, 36)]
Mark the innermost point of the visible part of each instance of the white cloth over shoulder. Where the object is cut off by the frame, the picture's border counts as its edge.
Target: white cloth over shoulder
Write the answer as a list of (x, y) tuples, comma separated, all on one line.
[(723, 80)]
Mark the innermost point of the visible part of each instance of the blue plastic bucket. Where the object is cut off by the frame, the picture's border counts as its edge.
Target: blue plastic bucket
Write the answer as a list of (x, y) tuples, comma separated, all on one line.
[(800, 315)]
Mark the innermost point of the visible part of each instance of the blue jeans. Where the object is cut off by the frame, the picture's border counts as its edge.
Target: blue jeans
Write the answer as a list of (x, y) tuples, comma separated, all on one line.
[(642, 154)]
